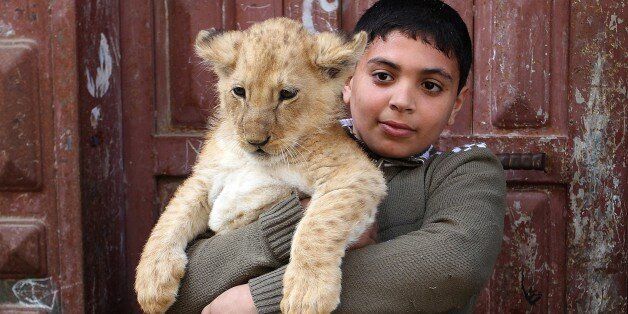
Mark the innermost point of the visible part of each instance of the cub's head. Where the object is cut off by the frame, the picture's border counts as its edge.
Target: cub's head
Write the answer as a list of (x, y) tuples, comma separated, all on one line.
[(277, 82)]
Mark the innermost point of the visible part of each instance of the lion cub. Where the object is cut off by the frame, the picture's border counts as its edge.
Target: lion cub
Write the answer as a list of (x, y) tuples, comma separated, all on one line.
[(276, 131)]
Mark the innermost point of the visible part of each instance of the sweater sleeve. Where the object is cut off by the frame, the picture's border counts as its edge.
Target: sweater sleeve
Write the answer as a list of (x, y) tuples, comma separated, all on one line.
[(217, 263), (436, 268)]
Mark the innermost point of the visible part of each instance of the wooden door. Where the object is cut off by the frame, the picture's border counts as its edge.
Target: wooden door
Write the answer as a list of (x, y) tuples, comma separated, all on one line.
[(548, 96), (40, 218)]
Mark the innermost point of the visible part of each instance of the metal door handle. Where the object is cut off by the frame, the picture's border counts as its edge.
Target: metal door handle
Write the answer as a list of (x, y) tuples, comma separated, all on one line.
[(523, 161)]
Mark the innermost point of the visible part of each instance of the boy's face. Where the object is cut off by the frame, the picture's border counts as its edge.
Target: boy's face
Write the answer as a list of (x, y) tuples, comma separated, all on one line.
[(402, 95)]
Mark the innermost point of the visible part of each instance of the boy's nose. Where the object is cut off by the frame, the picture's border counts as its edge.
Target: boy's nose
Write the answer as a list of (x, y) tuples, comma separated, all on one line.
[(402, 101), (401, 108)]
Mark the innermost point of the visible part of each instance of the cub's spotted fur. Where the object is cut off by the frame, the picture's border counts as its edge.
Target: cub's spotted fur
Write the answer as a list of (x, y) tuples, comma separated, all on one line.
[(276, 131)]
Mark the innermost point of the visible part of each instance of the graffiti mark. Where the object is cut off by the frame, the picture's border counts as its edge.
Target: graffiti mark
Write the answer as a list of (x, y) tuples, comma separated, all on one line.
[(39, 293), (254, 6), (99, 87), (529, 294), (195, 149)]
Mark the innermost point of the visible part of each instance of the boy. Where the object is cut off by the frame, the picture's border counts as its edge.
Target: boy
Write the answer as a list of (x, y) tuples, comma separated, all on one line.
[(441, 225)]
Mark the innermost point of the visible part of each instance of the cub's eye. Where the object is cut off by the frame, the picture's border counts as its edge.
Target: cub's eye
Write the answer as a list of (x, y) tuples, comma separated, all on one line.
[(286, 94), (432, 87), (239, 91)]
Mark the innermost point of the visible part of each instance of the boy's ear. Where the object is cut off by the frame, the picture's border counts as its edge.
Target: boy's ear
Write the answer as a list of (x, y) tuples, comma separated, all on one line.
[(458, 104), (346, 91), (336, 55), (219, 49)]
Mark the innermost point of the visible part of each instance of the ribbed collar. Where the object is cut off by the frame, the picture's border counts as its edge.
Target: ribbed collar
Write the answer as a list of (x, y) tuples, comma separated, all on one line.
[(412, 161)]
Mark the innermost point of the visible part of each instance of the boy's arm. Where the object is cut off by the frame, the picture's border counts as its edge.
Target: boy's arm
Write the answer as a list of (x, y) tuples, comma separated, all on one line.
[(221, 262), (436, 268)]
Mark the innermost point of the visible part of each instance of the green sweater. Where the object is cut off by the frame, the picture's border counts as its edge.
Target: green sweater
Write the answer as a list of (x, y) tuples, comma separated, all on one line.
[(440, 231)]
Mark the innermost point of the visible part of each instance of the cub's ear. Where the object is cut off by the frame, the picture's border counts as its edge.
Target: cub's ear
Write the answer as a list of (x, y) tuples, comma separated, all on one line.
[(219, 49), (337, 55)]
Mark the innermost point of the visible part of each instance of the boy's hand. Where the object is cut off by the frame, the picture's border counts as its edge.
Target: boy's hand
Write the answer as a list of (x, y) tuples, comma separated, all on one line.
[(235, 300), (367, 238), (305, 202)]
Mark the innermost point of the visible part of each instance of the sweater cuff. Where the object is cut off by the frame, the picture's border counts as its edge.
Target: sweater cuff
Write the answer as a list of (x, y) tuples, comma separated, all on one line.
[(278, 225), (267, 291)]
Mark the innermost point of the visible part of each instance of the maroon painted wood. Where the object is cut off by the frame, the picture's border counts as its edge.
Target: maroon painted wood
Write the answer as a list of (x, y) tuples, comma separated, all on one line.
[(597, 261), (102, 185), (138, 103), (40, 214)]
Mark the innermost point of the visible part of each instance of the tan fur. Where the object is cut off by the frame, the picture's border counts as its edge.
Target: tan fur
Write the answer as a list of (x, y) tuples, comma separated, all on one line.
[(307, 151)]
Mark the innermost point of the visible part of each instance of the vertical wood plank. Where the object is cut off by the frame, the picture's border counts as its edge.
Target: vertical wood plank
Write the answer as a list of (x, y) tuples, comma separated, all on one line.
[(597, 258), (101, 154), (138, 102)]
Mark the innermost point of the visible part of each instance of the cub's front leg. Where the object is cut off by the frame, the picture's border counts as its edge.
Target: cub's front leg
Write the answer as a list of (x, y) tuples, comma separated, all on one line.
[(312, 280), (163, 259)]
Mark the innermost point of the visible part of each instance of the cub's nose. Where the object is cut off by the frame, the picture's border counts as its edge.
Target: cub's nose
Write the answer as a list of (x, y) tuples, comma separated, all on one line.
[(259, 144)]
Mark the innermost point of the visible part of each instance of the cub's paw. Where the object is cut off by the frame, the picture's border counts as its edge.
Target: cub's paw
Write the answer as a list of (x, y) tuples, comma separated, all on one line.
[(314, 291), (157, 280)]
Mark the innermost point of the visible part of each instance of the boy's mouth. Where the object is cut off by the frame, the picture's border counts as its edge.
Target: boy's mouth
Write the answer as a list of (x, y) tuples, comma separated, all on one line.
[(396, 129)]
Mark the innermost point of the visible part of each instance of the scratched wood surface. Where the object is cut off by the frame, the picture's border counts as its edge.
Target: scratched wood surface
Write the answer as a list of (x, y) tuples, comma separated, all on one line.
[(549, 79), (41, 254)]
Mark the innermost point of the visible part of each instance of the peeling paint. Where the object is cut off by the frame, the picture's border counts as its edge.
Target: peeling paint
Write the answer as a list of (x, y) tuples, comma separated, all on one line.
[(528, 247), (66, 141), (6, 29), (95, 117), (99, 87), (596, 224), (614, 22), (37, 293), (578, 96), (307, 17)]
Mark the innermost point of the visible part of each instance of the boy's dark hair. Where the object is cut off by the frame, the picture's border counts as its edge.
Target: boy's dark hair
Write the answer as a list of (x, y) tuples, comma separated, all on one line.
[(435, 22)]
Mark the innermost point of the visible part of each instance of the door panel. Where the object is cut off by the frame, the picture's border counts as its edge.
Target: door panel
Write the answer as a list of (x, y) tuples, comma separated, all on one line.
[(183, 101), (531, 107), (40, 226), (530, 270), (522, 57)]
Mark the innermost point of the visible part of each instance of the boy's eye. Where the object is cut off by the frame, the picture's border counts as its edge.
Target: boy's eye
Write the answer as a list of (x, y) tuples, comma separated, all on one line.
[(383, 76), (239, 91), (432, 87)]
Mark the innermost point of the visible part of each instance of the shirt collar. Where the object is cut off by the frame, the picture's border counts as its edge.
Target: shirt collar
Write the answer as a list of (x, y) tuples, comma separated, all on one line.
[(412, 161)]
